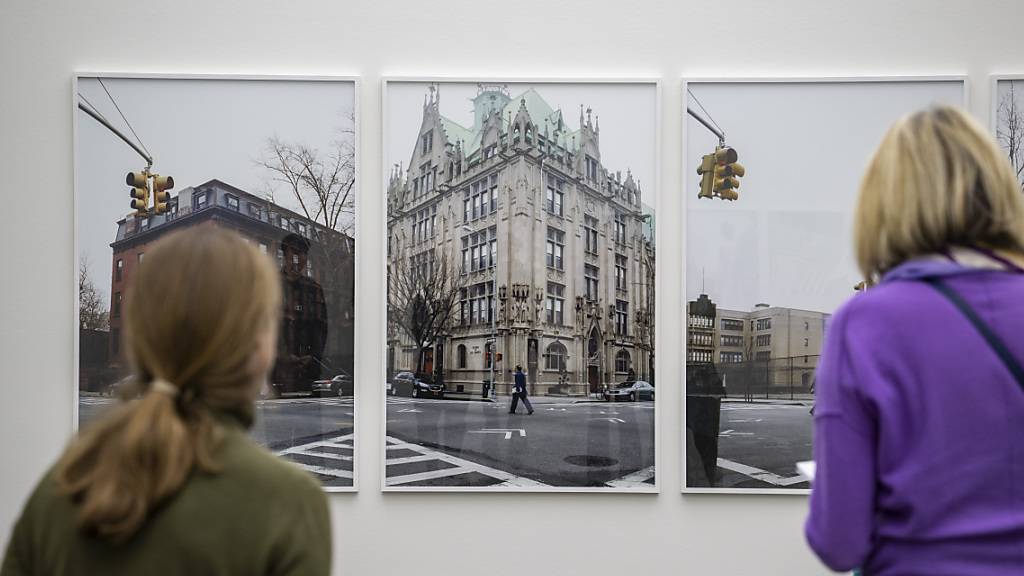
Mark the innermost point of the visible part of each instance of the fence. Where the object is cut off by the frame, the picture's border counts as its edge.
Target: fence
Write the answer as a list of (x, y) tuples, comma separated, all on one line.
[(779, 378)]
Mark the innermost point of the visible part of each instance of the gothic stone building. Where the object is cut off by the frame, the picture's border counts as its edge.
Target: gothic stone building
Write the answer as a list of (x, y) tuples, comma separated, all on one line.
[(522, 198)]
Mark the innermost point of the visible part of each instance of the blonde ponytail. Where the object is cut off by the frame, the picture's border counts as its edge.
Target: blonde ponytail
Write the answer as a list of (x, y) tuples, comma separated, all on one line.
[(189, 321)]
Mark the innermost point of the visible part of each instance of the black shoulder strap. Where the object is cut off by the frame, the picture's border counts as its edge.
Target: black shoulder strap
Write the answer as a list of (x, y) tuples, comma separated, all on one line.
[(986, 332)]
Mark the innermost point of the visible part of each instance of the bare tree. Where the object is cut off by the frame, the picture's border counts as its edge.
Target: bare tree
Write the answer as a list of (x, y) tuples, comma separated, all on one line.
[(1010, 129), (322, 185), (92, 311), (422, 301)]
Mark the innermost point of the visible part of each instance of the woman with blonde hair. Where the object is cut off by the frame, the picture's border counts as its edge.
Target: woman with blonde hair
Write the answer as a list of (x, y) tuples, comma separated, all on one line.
[(919, 423), (169, 482)]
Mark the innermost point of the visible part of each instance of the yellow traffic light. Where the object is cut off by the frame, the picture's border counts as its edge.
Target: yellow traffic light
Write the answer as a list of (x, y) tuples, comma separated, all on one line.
[(161, 185), (706, 171), (727, 173), (139, 181)]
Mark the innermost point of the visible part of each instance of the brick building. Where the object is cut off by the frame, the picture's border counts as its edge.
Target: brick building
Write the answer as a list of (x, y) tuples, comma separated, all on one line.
[(328, 270)]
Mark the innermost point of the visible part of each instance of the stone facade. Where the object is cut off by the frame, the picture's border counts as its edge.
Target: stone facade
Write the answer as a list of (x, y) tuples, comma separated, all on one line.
[(521, 200)]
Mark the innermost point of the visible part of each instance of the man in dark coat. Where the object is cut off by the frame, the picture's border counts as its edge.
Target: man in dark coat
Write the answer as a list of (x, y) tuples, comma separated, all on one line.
[(519, 392)]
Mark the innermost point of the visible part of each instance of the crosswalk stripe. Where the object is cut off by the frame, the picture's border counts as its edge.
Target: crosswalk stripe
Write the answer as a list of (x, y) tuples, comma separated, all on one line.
[(762, 475)]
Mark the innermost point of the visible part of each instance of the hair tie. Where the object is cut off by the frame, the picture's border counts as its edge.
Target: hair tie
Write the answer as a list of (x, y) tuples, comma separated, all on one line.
[(164, 387)]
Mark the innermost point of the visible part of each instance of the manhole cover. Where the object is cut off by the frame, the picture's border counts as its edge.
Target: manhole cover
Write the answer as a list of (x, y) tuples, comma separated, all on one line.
[(591, 461)]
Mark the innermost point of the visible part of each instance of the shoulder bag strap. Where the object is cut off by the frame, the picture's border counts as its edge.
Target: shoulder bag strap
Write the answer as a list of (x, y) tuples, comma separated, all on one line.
[(996, 343)]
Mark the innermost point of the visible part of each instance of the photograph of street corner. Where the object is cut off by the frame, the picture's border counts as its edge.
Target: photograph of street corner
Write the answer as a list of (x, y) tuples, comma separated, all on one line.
[(274, 161), (521, 266), (769, 258)]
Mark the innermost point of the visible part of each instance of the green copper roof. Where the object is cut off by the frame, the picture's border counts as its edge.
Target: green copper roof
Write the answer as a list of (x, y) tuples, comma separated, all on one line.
[(539, 110)]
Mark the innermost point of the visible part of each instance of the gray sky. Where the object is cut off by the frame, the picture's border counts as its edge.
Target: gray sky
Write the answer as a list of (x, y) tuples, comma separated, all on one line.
[(787, 240), (628, 114), (196, 130)]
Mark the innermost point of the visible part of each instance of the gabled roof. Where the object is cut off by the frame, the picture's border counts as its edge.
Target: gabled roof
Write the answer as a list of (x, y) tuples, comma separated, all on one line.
[(541, 113)]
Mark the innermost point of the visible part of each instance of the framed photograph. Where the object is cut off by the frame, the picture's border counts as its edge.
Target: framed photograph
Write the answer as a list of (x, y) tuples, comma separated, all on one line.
[(272, 158), (771, 174), (1008, 118), (520, 284)]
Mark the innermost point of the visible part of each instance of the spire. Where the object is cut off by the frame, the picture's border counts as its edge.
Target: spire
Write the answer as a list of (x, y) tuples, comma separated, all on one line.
[(581, 116)]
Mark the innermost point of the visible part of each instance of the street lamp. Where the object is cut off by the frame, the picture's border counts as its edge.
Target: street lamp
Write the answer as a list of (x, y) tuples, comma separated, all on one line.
[(493, 344)]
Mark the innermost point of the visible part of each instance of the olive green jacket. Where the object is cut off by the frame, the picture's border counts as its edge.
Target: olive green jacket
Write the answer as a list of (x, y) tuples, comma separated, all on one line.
[(259, 515)]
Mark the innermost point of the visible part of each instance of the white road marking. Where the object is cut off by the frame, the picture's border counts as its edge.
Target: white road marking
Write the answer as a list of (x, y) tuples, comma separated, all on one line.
[(506, 431), (637, 479), (612, 420), (730, 433), (411, 410), (311, 449), (762, 475), (460, 466)]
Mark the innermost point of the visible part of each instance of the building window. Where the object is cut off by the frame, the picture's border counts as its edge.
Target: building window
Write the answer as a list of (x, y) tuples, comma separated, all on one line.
[(255, 210), (119, 270), (460, 360), (303, 230), (141, 256), (764, 324), (763, 356), (200, 199), (556, 194), (592, 167), (730, 357), (764, 340), (479, 250), (695, 320), (732, 341), (427, 141), (422, 264), (231, 201), (622, 318), (481, 198), (263, 247), (620, 227), (280, 257), (807, 325), (590, 276), (555, 248), (732, 325), (620, 272), (556, 303), (477, 303), (622, 362), (144, 224), (807, 342), (424, 222), (590, 234), (556, 356), (116, 312), (115, 341)]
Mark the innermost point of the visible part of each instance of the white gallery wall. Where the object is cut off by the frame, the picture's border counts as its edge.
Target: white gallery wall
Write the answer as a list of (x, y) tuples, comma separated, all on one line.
[(42, 43)]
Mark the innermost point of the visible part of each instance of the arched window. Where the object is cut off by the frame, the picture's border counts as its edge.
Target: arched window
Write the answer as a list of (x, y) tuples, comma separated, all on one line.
[(461, 356), (622, 361), (555, 357)]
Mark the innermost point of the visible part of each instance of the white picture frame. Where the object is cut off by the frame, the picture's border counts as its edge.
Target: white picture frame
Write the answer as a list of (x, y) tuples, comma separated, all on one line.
[(687, 175), (655, 85), (355, 83)]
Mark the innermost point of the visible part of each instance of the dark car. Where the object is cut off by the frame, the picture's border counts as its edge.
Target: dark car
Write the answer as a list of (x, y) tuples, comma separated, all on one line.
[(340, 385), (407, 384), (632, 391)]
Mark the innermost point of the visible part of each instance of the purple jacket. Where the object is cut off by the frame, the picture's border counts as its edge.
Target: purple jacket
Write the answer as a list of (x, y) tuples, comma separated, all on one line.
[(919, 429)]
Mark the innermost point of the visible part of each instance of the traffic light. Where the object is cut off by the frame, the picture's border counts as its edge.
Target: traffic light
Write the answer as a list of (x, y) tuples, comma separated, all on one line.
[(706, 171), (161, 185), (727, 173), (139, 181)]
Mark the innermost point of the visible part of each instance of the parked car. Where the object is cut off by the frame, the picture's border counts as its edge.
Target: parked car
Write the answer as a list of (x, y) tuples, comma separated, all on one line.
[(340, 385), (407, 384), (632, 391)]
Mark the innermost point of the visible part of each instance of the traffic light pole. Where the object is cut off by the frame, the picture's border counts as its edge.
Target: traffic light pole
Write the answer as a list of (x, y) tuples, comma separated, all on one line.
[(103, 121), (715, 131)]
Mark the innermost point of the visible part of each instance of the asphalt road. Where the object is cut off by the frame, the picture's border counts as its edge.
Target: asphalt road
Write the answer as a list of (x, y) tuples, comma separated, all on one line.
[(565, 443), (314, 432), (760, 444)]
